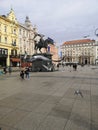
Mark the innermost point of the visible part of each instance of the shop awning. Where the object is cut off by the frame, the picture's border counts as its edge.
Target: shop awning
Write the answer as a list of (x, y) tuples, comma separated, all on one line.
[(15, 59)]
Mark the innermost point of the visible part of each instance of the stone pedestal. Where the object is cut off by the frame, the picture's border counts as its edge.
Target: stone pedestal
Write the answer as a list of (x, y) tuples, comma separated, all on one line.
[(42, 62)]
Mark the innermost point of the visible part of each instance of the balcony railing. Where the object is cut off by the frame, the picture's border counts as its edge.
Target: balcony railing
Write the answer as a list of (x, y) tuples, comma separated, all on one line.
[(14, 44)]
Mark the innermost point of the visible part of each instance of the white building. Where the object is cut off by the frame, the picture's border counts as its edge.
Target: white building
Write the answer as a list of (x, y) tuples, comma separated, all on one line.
[(26, 38), (96, 52), (81, 51)]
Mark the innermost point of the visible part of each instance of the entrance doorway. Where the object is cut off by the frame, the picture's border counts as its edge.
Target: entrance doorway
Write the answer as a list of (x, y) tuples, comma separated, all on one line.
[(2, 61)]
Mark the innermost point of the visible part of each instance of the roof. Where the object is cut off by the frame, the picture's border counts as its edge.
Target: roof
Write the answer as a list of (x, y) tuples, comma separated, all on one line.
[(81, 41)]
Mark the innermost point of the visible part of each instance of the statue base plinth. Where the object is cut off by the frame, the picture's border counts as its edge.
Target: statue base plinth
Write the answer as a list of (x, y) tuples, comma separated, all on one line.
[(42, 62)]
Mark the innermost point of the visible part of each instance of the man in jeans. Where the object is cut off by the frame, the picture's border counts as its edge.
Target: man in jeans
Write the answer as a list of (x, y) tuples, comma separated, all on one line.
[(27, 71)]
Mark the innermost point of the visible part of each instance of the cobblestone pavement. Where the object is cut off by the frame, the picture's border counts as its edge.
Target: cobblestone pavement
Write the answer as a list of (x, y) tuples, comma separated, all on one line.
[(48, 100)]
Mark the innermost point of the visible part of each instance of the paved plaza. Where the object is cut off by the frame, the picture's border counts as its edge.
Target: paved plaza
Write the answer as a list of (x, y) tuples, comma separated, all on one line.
[(48, 101)]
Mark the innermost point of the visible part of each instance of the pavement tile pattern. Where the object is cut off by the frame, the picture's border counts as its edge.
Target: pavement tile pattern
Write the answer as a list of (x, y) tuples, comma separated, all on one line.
[(47, 101)]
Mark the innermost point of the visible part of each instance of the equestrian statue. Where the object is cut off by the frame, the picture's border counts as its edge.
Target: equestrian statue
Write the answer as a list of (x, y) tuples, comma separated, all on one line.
[(41, 43)]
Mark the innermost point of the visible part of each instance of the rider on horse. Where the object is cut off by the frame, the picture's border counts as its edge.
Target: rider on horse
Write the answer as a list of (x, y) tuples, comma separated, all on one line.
[(41, 43)]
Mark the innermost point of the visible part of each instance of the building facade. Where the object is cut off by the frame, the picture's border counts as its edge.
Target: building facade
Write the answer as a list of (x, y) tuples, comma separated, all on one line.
[(26, 39), (54, 51), (81, 51), (8, 38), (96, 52), (16, 40)]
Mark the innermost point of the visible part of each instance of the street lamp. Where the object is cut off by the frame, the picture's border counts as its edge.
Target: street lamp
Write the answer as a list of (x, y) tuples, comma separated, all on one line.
[(96, 32)]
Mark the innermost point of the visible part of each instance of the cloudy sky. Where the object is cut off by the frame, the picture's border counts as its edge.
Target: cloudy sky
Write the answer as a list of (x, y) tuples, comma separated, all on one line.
[(62, 20)]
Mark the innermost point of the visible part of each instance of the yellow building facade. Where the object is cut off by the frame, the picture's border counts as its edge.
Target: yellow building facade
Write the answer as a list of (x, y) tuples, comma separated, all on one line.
[(8, 39)]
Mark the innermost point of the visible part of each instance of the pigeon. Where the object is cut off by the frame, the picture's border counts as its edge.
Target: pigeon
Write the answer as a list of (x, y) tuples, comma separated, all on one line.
[(77, 92)]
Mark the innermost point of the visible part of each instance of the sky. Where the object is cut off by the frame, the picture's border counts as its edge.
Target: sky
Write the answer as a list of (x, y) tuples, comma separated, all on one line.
[(61, 20)]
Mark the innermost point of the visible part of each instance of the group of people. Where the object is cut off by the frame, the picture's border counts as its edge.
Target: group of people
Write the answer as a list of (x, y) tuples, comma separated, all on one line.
[(75, 67), (24, 73)]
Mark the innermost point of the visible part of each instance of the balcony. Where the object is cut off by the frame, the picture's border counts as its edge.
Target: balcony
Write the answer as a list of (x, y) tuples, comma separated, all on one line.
[(13, 44)]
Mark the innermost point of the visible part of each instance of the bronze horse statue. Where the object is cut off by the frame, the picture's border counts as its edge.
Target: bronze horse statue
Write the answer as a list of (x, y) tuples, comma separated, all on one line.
[(43, 43)]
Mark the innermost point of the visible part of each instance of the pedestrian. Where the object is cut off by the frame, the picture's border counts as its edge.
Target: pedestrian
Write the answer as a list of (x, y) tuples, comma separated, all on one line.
[(27, 71), (4, 70), (22, 74), (58, 66), (75, 66)]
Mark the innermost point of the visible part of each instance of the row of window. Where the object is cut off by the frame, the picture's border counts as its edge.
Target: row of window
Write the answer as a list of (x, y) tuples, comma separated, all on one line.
[(23, 32), (6, 40), (13, 30), (88, 52), (77, 45), (78, 49)]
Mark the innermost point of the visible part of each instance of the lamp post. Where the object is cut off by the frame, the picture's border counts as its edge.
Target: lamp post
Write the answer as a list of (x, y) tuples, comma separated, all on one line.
[(20, 59), (96, 32)]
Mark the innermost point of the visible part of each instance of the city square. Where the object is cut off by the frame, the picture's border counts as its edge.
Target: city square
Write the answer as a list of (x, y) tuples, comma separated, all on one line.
[(49, 65), (47, 101)]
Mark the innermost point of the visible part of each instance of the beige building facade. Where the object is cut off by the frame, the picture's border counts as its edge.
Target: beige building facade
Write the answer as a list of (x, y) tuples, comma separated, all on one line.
[(8, 38), (16, 40), (81, 51)]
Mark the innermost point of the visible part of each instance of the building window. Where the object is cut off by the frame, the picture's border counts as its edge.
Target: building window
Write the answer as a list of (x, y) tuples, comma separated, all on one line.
[(14, 31), (27, 34), (13, 52), (5, 39), (23, 32), (15, 42), (5, 28), (20, 31), (0, 38), (0, 27)]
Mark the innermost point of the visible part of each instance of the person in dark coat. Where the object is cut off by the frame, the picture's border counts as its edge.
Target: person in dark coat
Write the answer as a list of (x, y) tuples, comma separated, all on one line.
[(58, 66), (22, 74), (4, 69)]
